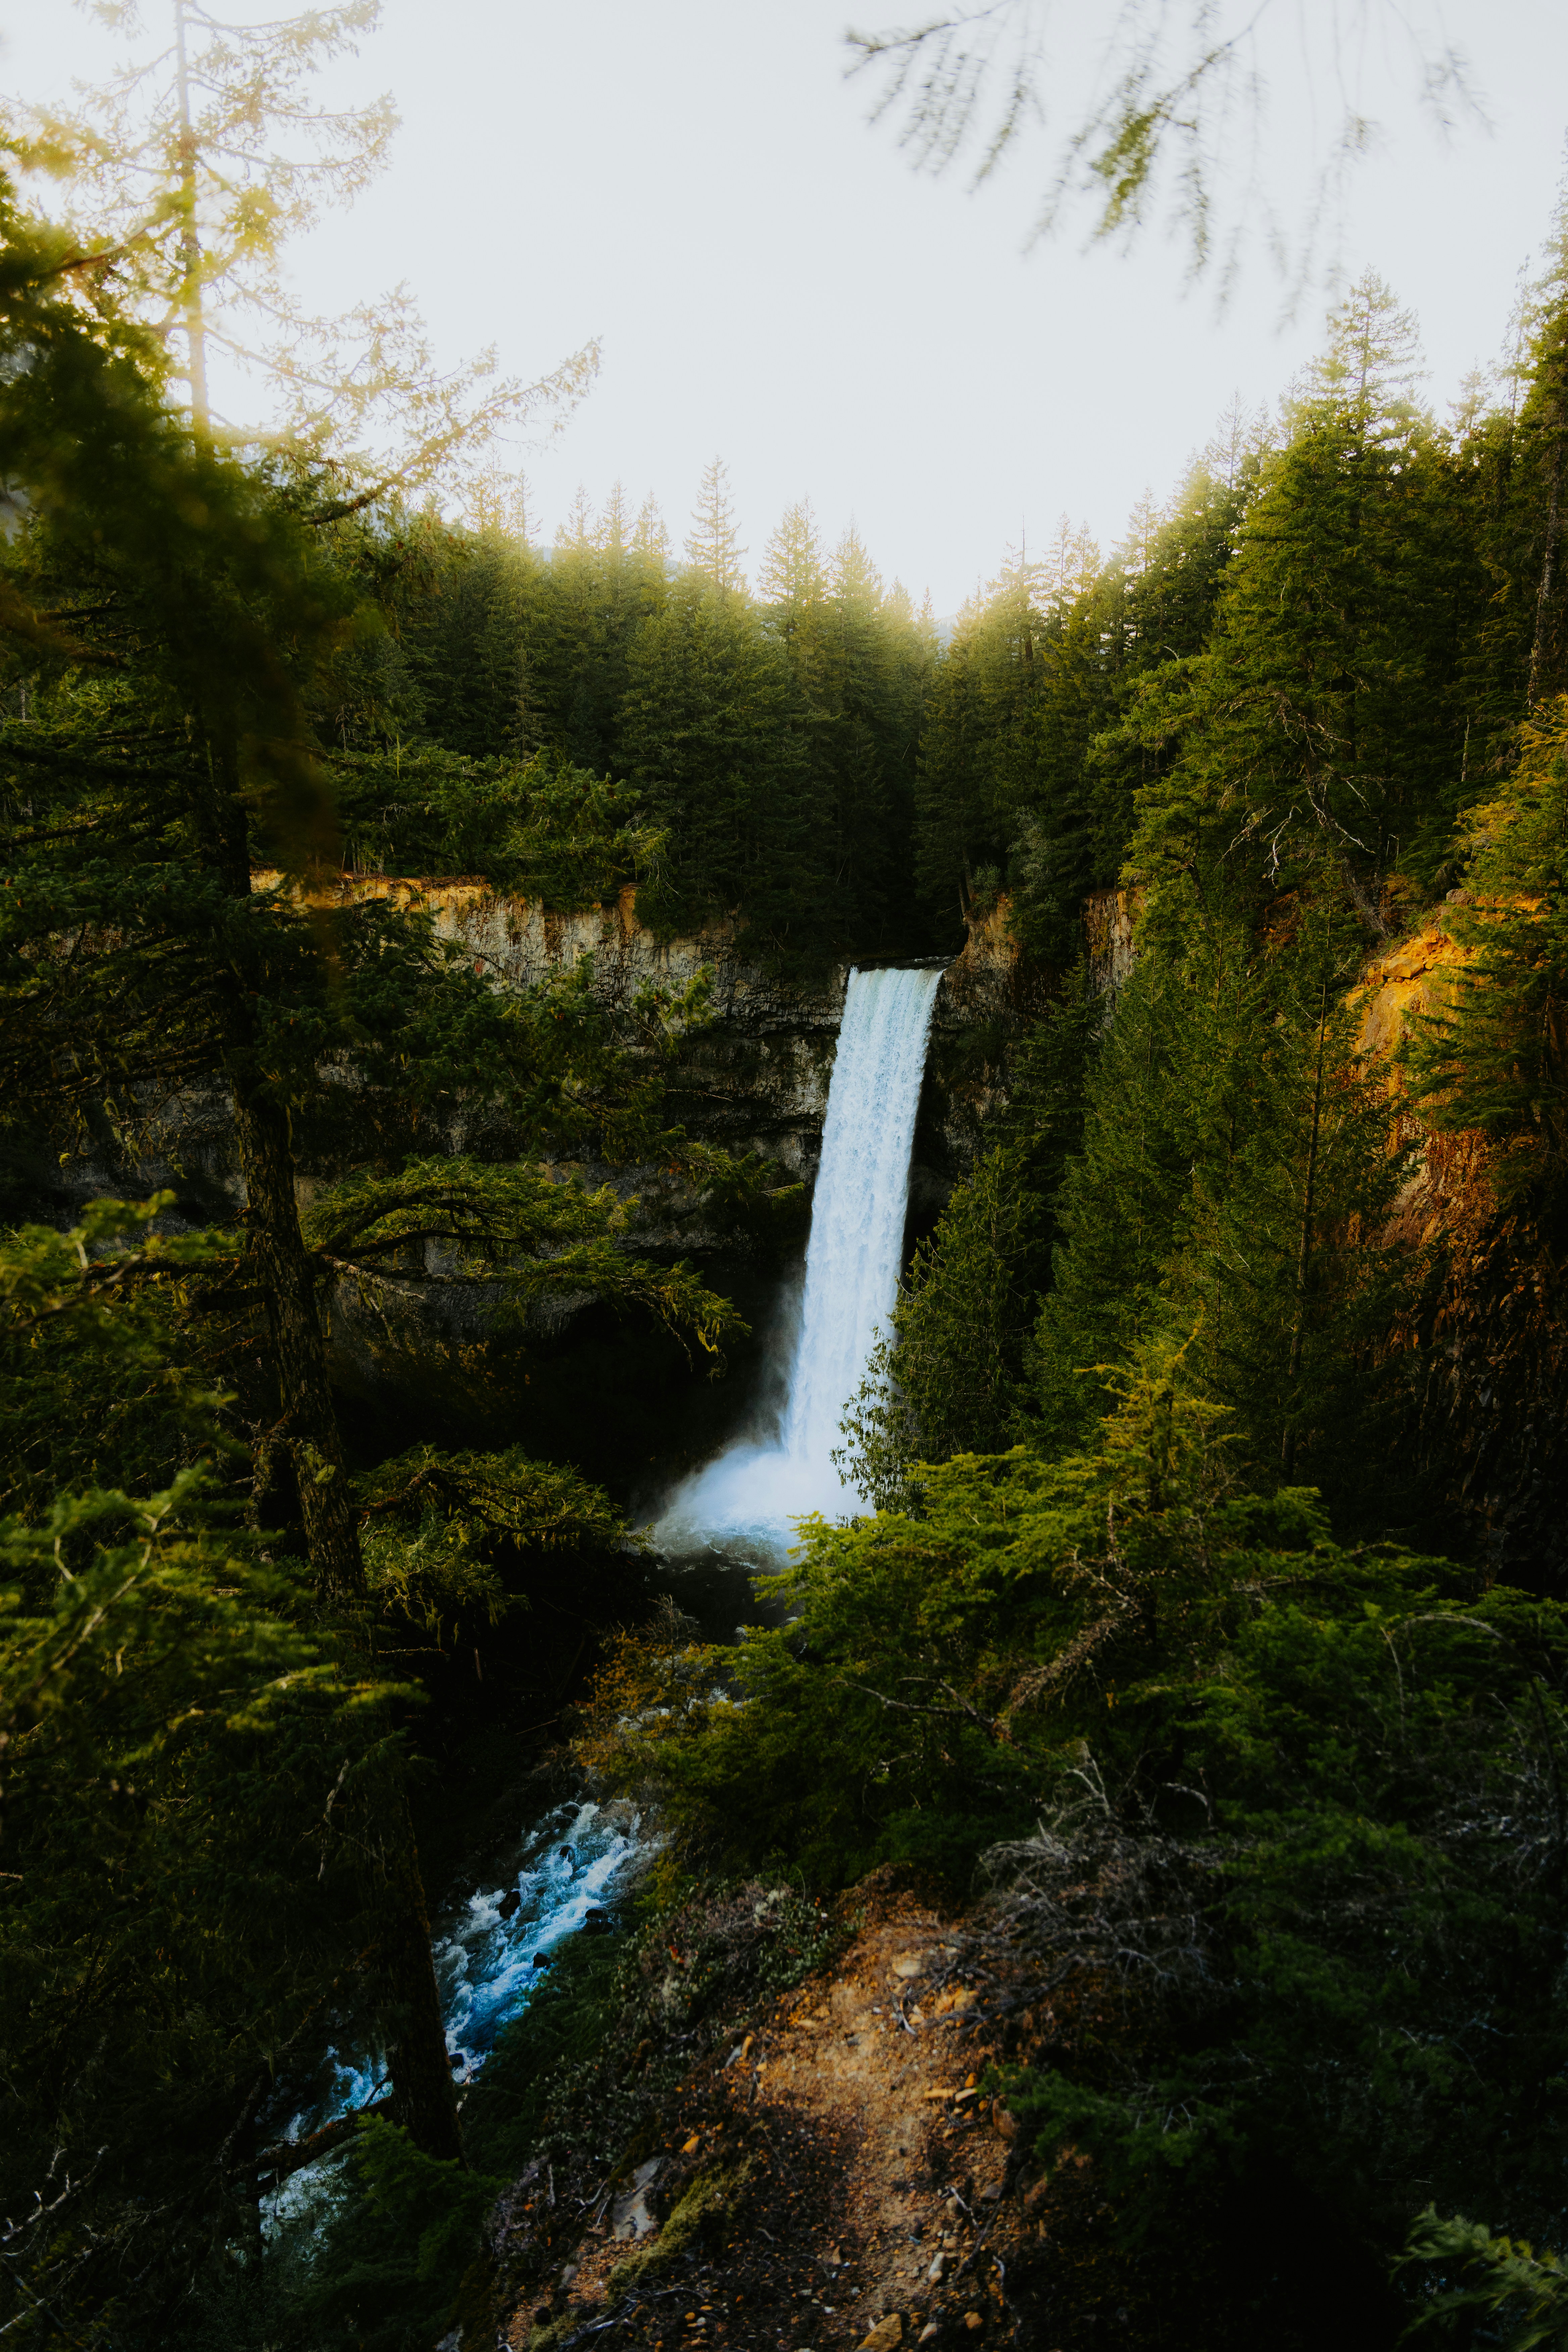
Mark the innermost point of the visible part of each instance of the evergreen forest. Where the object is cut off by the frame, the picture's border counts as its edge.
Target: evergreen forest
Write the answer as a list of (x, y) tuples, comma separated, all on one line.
[(1200, 1654)]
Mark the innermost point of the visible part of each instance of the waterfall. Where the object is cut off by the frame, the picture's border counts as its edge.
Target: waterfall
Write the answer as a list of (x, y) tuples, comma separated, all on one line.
[(755, 1488)]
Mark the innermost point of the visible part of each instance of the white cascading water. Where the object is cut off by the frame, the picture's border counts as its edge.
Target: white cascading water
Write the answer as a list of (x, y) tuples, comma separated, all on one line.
[(488, 1962), (852, 1262)]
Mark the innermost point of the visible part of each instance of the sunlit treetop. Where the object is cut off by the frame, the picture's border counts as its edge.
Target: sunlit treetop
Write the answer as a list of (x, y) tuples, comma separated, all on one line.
[(187, 171)]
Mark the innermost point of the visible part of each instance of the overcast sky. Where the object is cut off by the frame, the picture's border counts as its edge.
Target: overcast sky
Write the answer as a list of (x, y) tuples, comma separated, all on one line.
[(695, 182)]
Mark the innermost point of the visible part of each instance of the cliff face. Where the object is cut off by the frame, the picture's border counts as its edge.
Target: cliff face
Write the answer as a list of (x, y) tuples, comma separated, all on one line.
[(1109, 919), (1490, 1332), (757, 1076)]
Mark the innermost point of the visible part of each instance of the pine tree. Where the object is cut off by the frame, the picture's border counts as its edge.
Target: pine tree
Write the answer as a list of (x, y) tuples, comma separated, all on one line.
[(1283, 1268), (1317, 727), (956, 829), (713, 551), (793, 577), (178, 165), (189, 170), (650, 540), (1160, 1104), (168, 754), (710, 736)]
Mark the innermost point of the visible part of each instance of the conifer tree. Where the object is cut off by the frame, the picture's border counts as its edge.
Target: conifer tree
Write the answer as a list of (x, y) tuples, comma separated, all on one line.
[(713, 550), (793, 578), (650, 539), (1160, 1103), (168, 752), (1298, 731), (178, 169), (956, 830), (1283, 1267), (709, 737), (187, 171)]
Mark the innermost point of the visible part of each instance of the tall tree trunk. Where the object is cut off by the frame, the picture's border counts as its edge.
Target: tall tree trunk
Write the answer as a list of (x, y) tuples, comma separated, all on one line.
[(298, 1347), (424, 2099), (1542, 669), (189, 237)]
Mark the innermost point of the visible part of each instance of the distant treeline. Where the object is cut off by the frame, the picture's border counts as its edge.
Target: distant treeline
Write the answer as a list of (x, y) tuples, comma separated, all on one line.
[(1345, 609), (753, 754)]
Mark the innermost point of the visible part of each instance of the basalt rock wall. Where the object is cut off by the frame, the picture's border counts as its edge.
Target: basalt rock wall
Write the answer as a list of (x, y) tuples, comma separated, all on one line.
[(755, 1076)]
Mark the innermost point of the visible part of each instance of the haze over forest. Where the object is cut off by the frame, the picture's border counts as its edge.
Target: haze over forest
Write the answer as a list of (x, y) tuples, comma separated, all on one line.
[(1101, 1880)]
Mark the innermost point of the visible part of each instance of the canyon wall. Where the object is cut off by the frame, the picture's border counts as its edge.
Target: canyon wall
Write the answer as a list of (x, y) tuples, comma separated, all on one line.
[(754, 1077)]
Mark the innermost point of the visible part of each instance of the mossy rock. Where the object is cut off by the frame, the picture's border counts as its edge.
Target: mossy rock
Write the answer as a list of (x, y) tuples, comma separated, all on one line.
[(713, 2192)]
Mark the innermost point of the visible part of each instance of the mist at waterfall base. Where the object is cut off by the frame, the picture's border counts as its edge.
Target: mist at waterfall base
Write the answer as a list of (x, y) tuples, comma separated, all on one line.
[(751, 1495)]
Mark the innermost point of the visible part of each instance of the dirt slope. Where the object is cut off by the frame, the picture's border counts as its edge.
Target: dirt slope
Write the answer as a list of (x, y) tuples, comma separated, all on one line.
[(835, 2179)]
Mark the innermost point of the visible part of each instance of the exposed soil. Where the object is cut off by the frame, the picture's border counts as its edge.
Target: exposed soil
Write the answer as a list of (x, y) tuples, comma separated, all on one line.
[(837, 2178)]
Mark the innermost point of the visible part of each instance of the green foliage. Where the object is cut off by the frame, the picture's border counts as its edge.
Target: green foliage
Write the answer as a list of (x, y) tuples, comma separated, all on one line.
[(540, 827), (1527, 2292), (1270, 1808), (438, 1528), (712, 740), (1496, 1056), (92, 1386), (951, 1377), (439, 2206), (177, 1911), (1029, 757), (1275, 1825), (913, 1684), (1237, 1171), (1318, 732), (374, 2260), (756, 757)]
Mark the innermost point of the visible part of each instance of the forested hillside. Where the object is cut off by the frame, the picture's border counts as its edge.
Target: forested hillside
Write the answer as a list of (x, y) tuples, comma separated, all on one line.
[(1348, 601), (1202, 1647), (760, 749)]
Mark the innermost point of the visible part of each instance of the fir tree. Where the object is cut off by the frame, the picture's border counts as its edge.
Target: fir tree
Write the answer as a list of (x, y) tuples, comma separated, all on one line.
[(713, 550), (709, 735), (793, 578), (1300, 731)]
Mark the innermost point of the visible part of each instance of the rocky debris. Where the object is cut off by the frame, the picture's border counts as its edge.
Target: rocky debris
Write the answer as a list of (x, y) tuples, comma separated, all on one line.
[(630, 2216), (832, 2177)]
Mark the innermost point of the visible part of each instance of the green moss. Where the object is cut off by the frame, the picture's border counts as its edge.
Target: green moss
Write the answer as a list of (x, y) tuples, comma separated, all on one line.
[(715, 2191)]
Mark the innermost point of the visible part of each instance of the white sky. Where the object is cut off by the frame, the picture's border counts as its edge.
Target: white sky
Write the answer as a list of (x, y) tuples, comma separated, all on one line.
[(695, 182)]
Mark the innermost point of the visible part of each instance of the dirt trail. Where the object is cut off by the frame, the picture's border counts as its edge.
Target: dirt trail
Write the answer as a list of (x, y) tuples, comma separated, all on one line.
[(836, 2180)]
